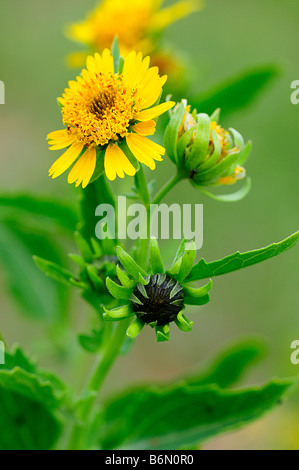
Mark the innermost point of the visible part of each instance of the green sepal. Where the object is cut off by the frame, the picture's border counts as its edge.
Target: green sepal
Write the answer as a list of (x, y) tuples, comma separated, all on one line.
[(216, 115), (155, 257), (78, 260), (84, 247), (201, 141), (245, 153), (115, 53), (94, 277), (129, 264), (214, 158), (124, 279), (183, 323), (232, 197), (171, 132), (99, 169), (211, 175), (197, 294), (143, 280), (187, 263), (197, 300), (124, 147), (183, 143), (135, 328), (121, 65), (96, 247), (119, 313), (119, 292), (175, 269), (180, 251), (162, 333)]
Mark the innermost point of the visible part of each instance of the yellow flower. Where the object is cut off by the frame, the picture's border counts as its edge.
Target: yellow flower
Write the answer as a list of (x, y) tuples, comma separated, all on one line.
[(137, 23), (106, 111)]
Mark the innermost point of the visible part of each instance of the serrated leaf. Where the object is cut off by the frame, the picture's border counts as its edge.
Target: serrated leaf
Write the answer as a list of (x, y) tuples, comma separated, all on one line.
[(230, 365), (180, 415), (28, 400), (236, 261)]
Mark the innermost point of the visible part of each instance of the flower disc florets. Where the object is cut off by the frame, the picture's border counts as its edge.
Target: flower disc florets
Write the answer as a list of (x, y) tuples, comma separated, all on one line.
[(161, 300)]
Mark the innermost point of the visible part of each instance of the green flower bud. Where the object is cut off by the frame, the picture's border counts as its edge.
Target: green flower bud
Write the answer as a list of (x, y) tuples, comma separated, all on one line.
[(204, 152), (156, 298)]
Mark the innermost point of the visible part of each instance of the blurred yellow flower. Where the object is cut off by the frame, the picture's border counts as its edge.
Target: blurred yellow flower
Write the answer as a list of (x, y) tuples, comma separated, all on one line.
[(106, 111), (137, 23)]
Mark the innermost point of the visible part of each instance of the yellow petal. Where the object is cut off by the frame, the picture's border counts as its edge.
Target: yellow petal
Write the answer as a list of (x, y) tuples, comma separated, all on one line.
[(92, 65), (107, 61), (66, 160), (151, 92), (143, 151), (135, 68), (83, 170), (145, 128), (175, 12), (153, 149), (154, 112), (116, 163), (62, 143), (58, 135)]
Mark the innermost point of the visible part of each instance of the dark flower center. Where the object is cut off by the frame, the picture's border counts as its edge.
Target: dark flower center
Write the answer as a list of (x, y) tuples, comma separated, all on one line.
[(101, 102), (161, 300)]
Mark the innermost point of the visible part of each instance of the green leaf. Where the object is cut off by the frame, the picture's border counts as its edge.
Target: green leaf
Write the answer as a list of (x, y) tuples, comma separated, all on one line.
[(41, 210), (92, 342), (36, 296), (236, 261), (232, 197), (180, 415), (56, 272), (237, 92), (29, 399), (230, 365)]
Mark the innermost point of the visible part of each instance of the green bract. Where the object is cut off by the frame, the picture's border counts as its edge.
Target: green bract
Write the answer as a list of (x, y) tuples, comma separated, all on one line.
[(205, 153), (158, 297)]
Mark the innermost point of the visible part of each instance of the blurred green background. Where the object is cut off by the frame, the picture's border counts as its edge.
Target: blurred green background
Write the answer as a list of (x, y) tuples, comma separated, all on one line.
[(223, 39)]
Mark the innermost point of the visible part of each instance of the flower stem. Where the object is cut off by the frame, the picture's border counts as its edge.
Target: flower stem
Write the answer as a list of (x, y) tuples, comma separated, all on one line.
[(170, 185), (77, 440)]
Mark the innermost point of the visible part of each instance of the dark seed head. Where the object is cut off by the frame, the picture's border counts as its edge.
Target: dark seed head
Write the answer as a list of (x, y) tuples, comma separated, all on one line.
[(161, 300)]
